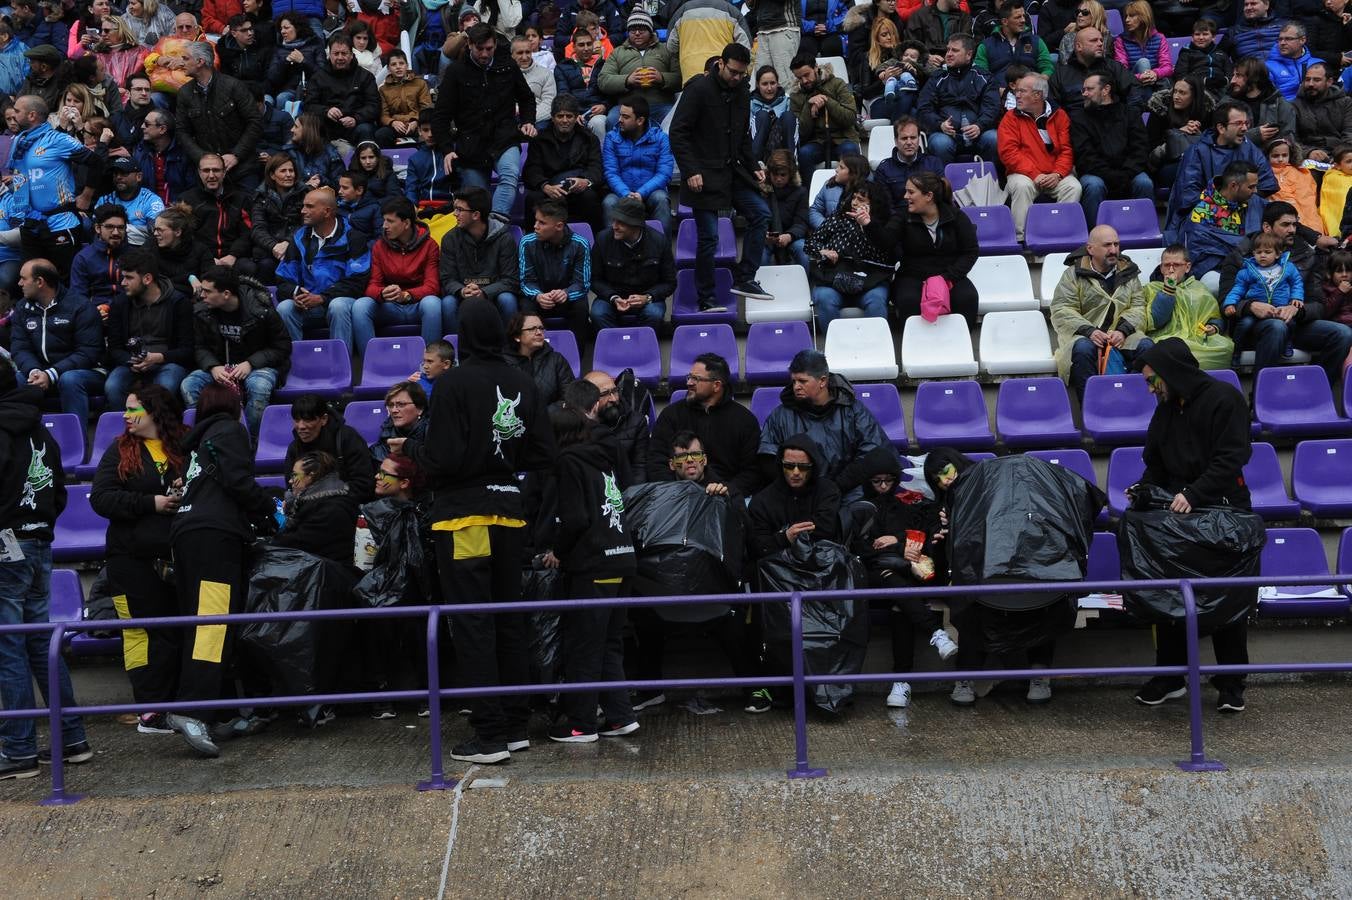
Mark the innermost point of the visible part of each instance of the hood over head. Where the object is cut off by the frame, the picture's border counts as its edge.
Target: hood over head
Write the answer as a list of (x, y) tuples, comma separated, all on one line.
[(1173, 361), (482, 334), (809, 446), (939, 459)]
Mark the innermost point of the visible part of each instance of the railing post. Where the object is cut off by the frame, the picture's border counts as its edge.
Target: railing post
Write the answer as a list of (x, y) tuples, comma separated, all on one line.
[(801, 768), (438, 780), (1198, 761), (58, 797)]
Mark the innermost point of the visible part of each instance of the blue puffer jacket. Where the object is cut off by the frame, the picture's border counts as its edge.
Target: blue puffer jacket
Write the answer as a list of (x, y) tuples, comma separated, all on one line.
[(1201, 163), (569, 79), (835, 17), (340, 269), (1250, 285), (65, 336), (45, 160), (314, 9), (958, 92), (1253, 37), (7, 221), (363, 215), (1287, 74), (641, 166)]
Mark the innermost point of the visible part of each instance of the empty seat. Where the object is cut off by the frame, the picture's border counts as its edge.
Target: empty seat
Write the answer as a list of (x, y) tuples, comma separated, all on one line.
[(1267, 488), (321, 367), (1345, 557), (995, 231), (770, 346), (1105, 562), (764, 401), (634, 348), (880, 146), (1231, 377), (938, 349), (1125, 468), (1076, 460), (820, 178), (1055, 226), (953, 414), (79, 534), (1117, 408), (109, 426), (837, 66), (1016, 342), (1321, 475), (583, 230), (387, 361), (1298, 357), (685, 300), (884, 402), (69, 433), (1136, 221), (861, 349), (1293, 552), (564, 342), (690, 341), (959, 173), (399, 156), (274, 436), (1034, 412), (792, 296), (686, 239), (67, 605), (1053, 267), (1297, 400), (1002, 283), (1147, 259), (366, 416)]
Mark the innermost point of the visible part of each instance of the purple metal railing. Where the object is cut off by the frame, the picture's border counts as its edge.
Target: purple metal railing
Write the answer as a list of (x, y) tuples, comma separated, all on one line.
[(1197, 761)]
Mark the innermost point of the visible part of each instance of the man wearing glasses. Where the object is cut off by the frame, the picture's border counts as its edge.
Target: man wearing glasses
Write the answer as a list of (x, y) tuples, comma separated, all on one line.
[(640, 67), (478, 258), (165, 168), (242, 56), (727, 431)]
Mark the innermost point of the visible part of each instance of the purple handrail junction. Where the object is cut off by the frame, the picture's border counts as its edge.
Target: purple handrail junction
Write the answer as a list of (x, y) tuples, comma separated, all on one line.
[(798, 680)]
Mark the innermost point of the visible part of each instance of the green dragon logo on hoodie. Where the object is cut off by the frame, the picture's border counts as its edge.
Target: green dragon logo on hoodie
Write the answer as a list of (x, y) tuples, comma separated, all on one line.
[(39, 477), (613, 504), (506, 423)]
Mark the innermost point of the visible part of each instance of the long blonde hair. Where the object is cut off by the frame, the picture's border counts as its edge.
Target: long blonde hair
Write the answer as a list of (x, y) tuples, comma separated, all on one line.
[(875, 51), (1141, 9), (1097, 19), (124, 33)]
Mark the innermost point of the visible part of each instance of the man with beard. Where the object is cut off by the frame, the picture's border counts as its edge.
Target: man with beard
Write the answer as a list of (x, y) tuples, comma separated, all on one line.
[(94, 273), (1323, 114), (1110, 148), (636, 156), (141, 205)]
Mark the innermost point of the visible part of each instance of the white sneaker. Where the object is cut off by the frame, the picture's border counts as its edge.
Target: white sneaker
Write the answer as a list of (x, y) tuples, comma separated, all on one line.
[(943, 643), (900, 698), (1039, 690), (964, 693)]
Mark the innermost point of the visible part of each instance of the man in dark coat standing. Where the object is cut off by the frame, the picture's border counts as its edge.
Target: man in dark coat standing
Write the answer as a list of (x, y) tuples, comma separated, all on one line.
[(218, 114), (711, 140)]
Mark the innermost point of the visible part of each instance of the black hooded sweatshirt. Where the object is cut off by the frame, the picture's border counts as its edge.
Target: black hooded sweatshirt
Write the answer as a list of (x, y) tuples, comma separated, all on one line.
[(778, 506), (487, 423), (1198, 441), (219, 493), (591, 540), (32, 482), (896, 517), (344, 443)]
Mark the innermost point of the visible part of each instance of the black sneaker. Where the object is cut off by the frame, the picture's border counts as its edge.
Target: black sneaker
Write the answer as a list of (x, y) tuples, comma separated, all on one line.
[(238, 727), (17, 768), (752, 290), (567, 734), (485, 754), (153, 723), (382, 711), (758, 701), (195, 733), (619, 729), (316, 716), (1230, 701), (645, 699), (710, 305), (71, 753), (1157, 690)]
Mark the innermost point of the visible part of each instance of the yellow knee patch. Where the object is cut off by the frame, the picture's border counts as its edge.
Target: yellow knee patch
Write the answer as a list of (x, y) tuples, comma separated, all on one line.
[(213, 599), (471, 542), (135, 641)]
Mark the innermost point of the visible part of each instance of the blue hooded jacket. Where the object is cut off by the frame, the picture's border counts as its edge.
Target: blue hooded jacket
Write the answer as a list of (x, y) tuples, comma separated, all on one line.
[(1200, 164), (640, 166), (45, 160), (13, 66), (1250, 285), (1287, 74), (338, 269)]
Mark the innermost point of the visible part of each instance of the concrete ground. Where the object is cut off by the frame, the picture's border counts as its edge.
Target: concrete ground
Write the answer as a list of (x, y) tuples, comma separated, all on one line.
[(1076, 799)]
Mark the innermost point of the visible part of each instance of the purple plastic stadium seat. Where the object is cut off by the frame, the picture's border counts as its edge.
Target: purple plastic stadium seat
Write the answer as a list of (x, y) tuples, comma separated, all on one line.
[(771, 346), (1321, 475), (1105, 564), (1137, 223), (69, 433), (366, 416), (1345, 557), (399, 156), (1231, 377), (1076, 460), (676, 396), (764, 401), (1117, 408), (1293, 552), (79, 530), (1176, 45), (1263, 474), (977, 456), (634, 348), (585, 230), (686, 240), (959, 173), (67, 605), (952, 414), (685, 302), (1125, 468), (1347, 392), (690, 341), (656, 225), (1297, 400), (274, 436), (109, 426), (1114, 20), (1032, 412), (387, 361), (565, 342), (885, 403), (995, 233), (318, 367), (1054, 228)]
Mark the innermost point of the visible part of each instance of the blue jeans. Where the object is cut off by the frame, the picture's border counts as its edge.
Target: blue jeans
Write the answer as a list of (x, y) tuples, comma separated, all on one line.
[(508, 168), (658, 204), (750, 204), (947, 149), (656, 113), (76, 387), (810, 155), (337, 312), (122, 379), (1328, 342), (1093, 192), (506, 302), (258, 388), (368, 313), (604, 315), (828, 302), (1084, 361), (25, 595), (893, 106)]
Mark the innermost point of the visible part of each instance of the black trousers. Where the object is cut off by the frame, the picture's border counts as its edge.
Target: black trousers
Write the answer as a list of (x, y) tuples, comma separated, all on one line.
[(733, 633), (907, 618), (906, 299), (482, 564), (575, 315), (584, 206), (593, 650), (1231, 644), (209, 569), (150, 655)]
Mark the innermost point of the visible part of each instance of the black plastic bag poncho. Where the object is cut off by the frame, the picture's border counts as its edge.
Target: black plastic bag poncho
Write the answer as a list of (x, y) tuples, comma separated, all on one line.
[(543, 626), (1209, 542), (400, 571), (687, 543), (835, 633)]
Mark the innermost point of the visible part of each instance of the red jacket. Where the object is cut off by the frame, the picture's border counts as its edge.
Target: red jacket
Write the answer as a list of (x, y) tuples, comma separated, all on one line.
[(1023, 151), (413, 268), (216, 14)]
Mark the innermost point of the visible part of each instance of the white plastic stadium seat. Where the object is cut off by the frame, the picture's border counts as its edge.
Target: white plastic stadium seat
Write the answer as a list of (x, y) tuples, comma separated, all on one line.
[(1002, 283), (1016, 343), (941, 349), (861, 349), (837, 65), (793, 297), (819, 179), (880, 146), (1053, 266), (1146, 258)]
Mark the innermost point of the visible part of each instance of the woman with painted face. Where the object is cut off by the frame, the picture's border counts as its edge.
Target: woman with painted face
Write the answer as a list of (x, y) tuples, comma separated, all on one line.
[(405, 417)]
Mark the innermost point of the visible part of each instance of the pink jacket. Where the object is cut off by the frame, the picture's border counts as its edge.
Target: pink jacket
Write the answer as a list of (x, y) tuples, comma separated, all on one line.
[(1156, 49)]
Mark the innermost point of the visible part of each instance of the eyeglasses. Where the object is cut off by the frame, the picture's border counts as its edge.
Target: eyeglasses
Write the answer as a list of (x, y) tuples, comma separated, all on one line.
[(796, 466), (883, 479), (691, 456), (612, 392), (461, 211), (398, 404), (699, 378), (533, 328), (388, 477)]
